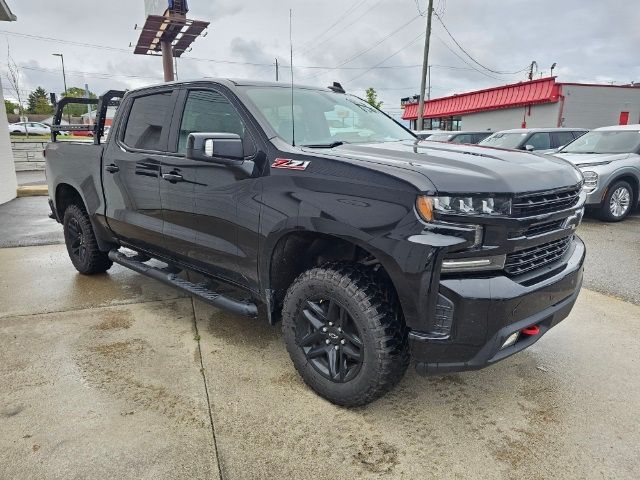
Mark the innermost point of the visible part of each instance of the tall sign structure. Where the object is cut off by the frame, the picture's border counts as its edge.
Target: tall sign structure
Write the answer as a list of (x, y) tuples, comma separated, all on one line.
[(168, 32)]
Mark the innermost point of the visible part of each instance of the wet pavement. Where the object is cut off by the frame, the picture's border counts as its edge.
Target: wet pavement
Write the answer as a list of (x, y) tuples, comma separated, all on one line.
[(25, 221), (613, 256), (117, 376)]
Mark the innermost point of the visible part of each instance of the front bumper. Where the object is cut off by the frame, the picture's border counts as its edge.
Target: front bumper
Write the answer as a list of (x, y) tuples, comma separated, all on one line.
[(487, 310)]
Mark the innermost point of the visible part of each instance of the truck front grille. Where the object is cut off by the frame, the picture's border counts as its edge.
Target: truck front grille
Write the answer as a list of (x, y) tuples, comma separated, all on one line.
[(524, 261), (546, 202)]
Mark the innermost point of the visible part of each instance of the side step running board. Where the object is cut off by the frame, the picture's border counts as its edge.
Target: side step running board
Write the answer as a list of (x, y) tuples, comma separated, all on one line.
[(169, 277)]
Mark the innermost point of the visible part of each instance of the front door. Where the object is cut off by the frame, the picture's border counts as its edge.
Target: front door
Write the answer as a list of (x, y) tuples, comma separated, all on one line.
[(200, 199), (131, 168)]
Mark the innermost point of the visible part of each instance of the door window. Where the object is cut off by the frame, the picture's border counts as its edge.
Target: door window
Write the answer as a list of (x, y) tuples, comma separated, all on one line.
[(539, 141), (208, 112), (147, 121), (463, 138), (562, 138)]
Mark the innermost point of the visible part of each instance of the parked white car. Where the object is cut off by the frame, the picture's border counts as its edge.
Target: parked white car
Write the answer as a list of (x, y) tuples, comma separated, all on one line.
[(33, 128)]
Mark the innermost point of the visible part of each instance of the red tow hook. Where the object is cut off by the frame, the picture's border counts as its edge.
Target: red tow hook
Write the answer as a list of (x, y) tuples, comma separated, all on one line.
[(531, 331)]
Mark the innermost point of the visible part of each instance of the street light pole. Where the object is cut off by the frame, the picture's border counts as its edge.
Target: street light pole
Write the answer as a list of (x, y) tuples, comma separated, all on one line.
[(64, 78)]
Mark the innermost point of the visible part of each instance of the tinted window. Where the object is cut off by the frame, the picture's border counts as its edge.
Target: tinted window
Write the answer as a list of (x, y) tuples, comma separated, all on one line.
[(462, 138), (578, 133), (539, 141), (562, 138), (478, 137), (208, 112), (147, 119)]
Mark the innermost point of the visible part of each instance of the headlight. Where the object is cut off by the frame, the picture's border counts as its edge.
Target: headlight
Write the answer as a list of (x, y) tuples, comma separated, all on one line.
[(590, 181), (428, 207)]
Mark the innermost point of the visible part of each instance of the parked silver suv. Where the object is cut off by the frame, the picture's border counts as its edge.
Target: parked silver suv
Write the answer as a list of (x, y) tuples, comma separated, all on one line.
[(609, 159)]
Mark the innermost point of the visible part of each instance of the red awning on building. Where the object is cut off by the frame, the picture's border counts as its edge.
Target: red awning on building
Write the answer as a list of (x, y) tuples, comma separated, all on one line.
[(543, 90)]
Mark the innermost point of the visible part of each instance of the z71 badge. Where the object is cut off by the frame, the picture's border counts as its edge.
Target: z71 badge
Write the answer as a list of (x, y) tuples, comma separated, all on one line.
[(290, 164)]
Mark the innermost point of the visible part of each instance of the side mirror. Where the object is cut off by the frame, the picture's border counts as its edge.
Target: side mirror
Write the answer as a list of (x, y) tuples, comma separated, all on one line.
[(529, 148), (223, 148)]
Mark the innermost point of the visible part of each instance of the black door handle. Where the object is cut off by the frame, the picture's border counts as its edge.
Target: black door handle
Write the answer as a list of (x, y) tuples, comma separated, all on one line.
[(112, 168), (172, 177)]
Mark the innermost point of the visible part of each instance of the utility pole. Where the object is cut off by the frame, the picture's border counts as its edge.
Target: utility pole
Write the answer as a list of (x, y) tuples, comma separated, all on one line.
[(533, 64), (277, 72), (425, 68), (64, 78), (429, 87)]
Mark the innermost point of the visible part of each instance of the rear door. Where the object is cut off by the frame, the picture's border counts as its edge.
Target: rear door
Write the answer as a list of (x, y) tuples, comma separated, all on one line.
[(201, 199), (131, 168)]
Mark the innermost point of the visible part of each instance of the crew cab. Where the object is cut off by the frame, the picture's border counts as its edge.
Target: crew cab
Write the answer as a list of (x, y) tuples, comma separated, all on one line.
[(371, 248)]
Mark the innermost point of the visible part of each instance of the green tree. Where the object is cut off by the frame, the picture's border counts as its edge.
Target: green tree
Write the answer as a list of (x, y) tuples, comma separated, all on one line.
[(76, 110), (10, 106), (371, 96), (38, 102)]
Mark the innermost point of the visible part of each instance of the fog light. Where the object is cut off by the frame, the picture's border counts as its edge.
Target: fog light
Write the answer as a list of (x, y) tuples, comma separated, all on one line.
[(513, 338)]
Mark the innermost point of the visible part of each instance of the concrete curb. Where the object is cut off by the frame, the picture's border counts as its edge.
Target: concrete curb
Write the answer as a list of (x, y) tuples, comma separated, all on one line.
[(33, 191)]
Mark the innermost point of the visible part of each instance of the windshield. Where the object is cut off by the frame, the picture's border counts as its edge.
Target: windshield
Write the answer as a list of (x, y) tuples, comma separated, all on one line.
[(613, 141), (440, 137), (324, 118), (504, 140)]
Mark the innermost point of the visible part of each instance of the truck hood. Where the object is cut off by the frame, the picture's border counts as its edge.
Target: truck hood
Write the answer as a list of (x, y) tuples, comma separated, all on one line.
[(453, 168), (583, 159)]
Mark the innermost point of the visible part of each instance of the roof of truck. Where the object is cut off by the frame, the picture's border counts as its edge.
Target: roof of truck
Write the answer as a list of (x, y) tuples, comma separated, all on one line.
[(234, 82)]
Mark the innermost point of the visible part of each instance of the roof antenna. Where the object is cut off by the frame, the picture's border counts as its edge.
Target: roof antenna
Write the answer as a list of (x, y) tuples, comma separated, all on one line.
[(293, 120)]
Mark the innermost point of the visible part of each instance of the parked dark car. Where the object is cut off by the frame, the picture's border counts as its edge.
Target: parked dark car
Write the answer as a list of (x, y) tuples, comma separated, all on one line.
[(543, 140), (368, 253), (467, 137)]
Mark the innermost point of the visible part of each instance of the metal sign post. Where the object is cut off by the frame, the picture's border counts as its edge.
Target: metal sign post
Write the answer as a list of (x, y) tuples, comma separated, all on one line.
[(168, 32)]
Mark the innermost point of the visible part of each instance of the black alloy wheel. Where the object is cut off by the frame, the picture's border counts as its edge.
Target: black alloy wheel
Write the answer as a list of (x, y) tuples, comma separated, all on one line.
[(330, 340), (345, 333), (76, 238), (81, 242)]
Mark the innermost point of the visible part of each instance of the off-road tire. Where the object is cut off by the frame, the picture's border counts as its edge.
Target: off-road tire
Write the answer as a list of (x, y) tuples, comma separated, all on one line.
[(369, 304), (92, 260), (605, 212)]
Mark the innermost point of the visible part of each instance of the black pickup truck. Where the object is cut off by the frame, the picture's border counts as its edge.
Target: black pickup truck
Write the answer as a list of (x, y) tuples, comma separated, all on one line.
[(371, 247)]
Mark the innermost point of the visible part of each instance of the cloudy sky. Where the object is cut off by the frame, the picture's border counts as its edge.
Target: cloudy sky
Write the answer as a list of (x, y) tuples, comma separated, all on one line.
[(360, 43)]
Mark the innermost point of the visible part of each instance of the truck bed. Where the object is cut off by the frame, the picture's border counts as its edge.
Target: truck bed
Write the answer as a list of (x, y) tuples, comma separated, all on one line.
[(78, 164)]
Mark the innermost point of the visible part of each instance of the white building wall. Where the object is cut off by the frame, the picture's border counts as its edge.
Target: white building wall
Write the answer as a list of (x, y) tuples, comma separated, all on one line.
[(599, 106), (8, 182), (544, 116)]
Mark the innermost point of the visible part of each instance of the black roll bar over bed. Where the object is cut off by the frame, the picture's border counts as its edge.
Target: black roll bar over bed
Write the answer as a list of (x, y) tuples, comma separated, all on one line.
[(111, 98)]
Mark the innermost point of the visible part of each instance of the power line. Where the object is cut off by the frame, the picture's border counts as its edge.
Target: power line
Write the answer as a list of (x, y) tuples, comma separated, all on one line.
[(464, 61), (326, 40), (368, 49), (387, 58), (470, 57), (308, 45)]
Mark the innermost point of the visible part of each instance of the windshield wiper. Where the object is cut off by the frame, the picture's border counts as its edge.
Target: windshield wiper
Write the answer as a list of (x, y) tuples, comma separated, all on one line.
[(325, 145)]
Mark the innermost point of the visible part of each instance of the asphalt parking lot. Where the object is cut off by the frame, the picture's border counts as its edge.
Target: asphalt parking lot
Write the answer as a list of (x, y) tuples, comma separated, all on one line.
[(117, 376)]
